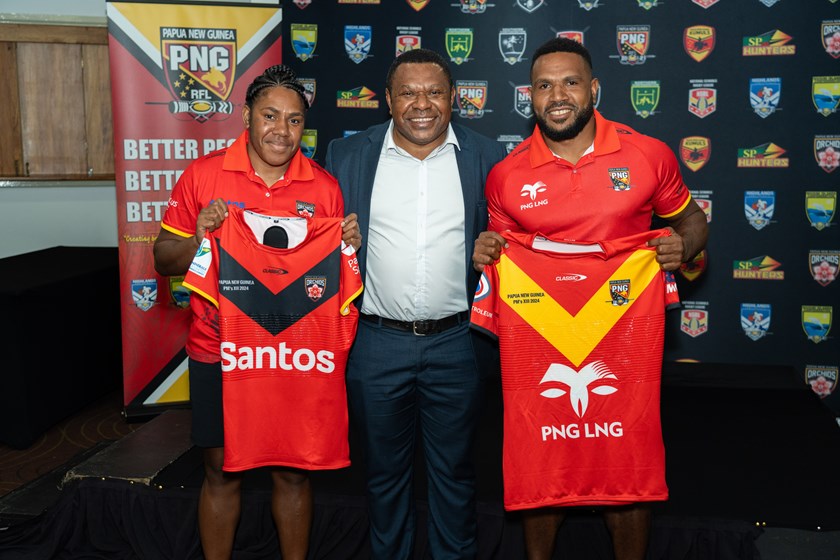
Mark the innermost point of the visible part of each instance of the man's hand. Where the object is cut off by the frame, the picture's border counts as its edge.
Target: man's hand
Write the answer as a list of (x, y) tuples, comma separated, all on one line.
[(669, 250), (351, 235), (488, 249), (210, 218)]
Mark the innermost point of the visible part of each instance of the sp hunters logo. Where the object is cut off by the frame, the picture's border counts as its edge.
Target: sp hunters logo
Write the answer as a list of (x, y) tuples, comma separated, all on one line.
[(695, 151), (620, 178), (694, 318), (144, 293), (820, 207), (822, 379), (633, 44), (512, 41), (759, 207), (758, 268), (459, 43), (755, 319), (827, 152), (200, 68), (765, 155), (830, 33), (471, 97), (771, 43), (309, 142), (644, 94), (592, 378), (816, 320), (699, 41), (315, 286), (408, 39), (304, 40), (357, 41), (765, 94), (357, 98), (823, 266), (692, 269), (647, 4), (825, 91), (522, 101), (620, 292)]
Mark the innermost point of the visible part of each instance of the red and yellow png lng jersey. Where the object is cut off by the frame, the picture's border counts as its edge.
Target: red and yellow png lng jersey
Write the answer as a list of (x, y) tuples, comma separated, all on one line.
[(580, 329), (286, 327)]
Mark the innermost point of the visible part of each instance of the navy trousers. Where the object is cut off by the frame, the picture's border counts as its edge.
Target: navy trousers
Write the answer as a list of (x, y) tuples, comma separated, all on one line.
[(398, 382)]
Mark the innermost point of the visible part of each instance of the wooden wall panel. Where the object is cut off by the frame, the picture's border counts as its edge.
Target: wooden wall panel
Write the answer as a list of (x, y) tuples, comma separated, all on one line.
[(11, 151), (98, 117), (52, 109)]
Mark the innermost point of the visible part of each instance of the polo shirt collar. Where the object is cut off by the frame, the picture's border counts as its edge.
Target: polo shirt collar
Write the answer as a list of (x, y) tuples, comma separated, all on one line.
[(236, 159), (606, 141)]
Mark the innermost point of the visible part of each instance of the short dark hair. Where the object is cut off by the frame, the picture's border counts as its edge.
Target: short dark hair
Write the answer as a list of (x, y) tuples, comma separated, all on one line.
[(418, 56), (562, 44), (278, 75)]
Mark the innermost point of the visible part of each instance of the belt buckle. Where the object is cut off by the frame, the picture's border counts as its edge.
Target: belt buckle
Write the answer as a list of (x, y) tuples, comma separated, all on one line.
[(414, 328)]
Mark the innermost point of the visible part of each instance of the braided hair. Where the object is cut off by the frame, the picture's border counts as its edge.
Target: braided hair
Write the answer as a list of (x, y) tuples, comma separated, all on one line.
[(278, 75)]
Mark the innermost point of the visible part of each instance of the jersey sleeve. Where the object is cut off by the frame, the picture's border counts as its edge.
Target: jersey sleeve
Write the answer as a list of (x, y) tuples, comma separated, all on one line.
[(494, 192), (484, 315), (183, 208), (203, 274), (672, 194), (351, 279)]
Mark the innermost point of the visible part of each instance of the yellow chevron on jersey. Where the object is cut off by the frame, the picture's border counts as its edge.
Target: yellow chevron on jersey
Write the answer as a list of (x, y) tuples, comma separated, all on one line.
[(592, 322)]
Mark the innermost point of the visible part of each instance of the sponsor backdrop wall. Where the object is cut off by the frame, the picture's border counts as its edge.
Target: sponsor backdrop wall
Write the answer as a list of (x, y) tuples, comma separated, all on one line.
[(178, 79), (746, 93)]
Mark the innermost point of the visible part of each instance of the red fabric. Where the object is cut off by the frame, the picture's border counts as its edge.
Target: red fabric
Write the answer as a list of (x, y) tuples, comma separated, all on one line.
[(286, 327), (610, 193), (581, 338), (305, 189)]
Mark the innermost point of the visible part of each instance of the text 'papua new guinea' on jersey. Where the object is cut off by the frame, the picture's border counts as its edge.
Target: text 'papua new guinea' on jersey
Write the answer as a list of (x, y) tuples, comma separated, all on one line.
[(580, 329), (286, 327)]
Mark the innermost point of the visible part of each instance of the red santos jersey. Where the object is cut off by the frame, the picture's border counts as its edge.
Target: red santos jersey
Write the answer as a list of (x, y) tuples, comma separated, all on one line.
[(306, 189), (286, 326), (611, 192), (580, 330)]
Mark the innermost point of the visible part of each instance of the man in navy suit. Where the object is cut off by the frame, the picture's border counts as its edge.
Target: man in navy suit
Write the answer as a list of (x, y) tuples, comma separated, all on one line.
[(417, 185)]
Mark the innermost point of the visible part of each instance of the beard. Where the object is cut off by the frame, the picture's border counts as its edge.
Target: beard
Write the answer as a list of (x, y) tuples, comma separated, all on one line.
[(582, 117)]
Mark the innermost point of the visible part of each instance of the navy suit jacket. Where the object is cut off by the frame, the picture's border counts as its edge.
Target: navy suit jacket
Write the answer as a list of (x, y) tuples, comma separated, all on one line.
[(353, 160)]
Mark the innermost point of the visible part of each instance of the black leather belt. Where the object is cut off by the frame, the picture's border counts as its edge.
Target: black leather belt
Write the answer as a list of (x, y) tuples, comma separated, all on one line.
[(420, 328)]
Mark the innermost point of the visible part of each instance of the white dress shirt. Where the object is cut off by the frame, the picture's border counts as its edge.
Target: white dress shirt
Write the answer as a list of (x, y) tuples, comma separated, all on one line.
[(416, 242)]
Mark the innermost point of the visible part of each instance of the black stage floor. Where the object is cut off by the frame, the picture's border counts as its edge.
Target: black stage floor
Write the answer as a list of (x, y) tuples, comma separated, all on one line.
[(752, 455)]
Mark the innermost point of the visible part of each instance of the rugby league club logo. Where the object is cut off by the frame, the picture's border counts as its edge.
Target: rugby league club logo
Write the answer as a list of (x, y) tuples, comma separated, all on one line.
[(200, 69)]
